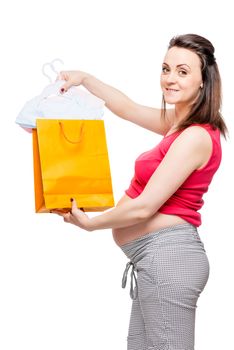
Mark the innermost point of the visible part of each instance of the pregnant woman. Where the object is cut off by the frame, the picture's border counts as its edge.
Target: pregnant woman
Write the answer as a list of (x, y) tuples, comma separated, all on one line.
[(156, 221)]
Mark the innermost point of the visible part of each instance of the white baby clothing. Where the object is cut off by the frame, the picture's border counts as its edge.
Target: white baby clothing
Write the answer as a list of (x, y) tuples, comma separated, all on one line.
[(51, 104)]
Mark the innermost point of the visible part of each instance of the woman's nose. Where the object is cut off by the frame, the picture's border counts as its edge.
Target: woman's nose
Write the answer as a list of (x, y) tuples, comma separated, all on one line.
[(171, 77)]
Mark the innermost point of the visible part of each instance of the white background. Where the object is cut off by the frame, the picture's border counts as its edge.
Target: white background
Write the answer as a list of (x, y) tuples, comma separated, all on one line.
[(60, 287)]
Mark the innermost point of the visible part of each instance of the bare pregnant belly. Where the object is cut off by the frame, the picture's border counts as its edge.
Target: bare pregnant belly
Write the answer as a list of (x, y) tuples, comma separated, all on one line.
[(157, 221)]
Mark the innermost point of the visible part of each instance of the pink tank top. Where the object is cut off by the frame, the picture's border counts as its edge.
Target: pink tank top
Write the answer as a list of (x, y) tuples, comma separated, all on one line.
[(187, 200)]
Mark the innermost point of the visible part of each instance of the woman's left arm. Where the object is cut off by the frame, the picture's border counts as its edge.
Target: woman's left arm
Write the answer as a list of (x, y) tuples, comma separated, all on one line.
[(185, 155), (126, 214)]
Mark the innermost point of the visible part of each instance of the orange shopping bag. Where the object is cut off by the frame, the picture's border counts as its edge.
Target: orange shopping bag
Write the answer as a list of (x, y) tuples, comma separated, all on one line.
[(71, 161)]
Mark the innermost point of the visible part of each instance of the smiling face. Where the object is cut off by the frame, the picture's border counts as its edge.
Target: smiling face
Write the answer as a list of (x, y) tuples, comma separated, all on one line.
[(181, 77)]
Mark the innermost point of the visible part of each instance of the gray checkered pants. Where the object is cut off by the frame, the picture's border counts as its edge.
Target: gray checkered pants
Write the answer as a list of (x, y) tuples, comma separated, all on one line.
[(169, 269)]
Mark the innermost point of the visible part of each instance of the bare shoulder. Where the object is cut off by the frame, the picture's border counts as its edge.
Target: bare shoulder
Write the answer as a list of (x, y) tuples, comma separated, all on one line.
[(196, 134), (197, 142)]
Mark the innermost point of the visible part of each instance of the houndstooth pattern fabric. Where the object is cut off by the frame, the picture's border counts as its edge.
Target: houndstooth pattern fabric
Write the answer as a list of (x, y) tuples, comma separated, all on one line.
[(172, 270)]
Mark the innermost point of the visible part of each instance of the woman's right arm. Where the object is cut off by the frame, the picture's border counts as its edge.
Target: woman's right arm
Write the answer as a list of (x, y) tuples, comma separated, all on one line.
[(121, 105)]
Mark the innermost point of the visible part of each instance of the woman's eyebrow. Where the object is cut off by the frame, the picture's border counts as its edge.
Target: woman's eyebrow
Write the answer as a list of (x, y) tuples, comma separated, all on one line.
[(178, 65)]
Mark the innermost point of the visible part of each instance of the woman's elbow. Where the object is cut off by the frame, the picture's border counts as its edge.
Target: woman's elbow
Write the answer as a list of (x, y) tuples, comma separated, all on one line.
[(145, 210)]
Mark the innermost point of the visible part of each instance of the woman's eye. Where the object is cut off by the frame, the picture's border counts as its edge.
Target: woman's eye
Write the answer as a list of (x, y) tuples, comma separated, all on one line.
[(164, 69), (182, 72)]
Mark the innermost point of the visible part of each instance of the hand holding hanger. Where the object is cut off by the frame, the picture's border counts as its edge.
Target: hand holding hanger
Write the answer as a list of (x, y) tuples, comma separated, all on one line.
[(72, 78)]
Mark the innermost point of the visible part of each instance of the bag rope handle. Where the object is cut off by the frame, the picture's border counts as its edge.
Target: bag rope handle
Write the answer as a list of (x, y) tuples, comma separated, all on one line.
[(64, 135)]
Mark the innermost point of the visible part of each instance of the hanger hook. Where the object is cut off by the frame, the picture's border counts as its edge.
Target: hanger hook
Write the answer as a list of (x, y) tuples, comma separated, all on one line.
[(51, 65), (44, 73)]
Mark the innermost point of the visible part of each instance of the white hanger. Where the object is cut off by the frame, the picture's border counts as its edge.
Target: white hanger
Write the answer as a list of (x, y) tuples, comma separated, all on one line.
[(51, 66)]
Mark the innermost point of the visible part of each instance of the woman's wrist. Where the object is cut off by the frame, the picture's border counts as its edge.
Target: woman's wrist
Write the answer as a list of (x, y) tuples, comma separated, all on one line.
[(86, 77)]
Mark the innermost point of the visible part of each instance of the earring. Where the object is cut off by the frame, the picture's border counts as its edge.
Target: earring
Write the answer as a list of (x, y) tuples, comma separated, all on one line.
[(201, 86)]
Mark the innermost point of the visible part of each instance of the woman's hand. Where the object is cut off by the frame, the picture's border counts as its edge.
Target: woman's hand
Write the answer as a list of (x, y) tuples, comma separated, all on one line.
[(72, 78), (75, 216)]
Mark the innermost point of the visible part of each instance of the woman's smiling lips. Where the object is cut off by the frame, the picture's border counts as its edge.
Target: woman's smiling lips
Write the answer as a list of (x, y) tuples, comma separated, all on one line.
[(168, 89)]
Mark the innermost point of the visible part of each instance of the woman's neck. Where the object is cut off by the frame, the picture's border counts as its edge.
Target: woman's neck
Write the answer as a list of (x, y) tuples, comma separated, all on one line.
[(180, 113)]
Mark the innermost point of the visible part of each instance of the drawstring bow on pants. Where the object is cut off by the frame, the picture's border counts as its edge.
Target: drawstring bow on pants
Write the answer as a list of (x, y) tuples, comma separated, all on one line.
[(133, 291)]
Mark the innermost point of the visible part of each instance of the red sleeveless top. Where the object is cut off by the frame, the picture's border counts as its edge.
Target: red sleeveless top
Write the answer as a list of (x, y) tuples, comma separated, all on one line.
[(187, 200)]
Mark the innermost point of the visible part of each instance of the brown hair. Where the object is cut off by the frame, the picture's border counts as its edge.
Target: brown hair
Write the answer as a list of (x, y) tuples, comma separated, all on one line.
[(206, 109)]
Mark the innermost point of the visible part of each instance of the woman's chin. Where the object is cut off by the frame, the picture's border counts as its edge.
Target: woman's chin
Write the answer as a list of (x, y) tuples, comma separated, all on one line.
[(170, 101)]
